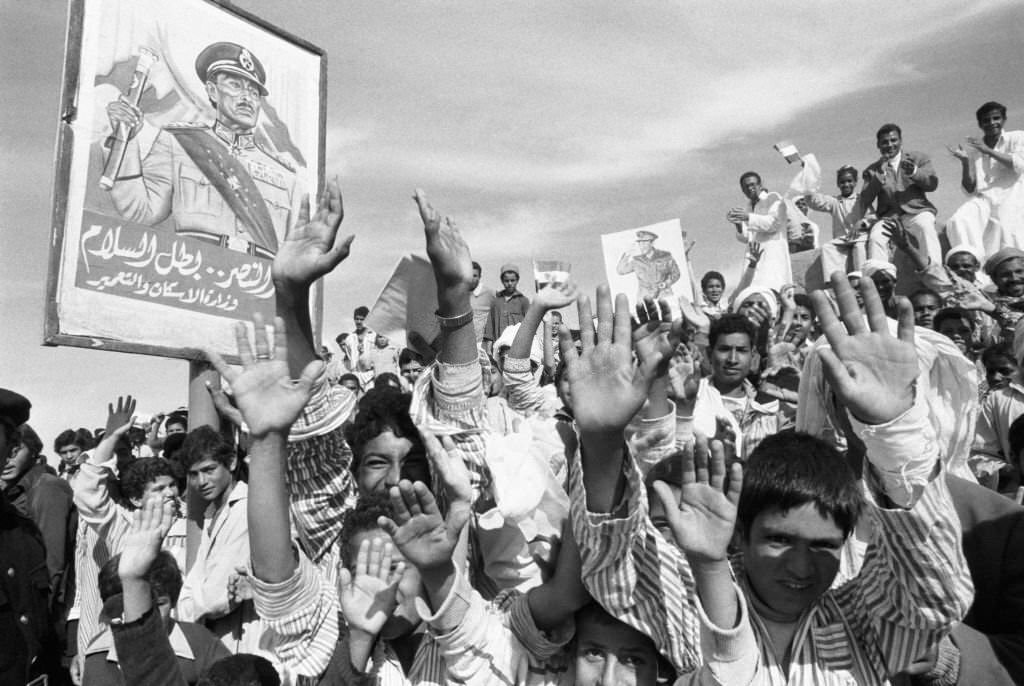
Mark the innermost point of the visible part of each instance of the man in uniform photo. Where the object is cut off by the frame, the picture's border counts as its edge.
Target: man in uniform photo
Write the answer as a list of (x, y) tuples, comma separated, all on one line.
[(217, 183), (656, 270)]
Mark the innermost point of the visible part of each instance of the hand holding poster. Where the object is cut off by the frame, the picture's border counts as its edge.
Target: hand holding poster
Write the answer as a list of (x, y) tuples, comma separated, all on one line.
[(648, 262)]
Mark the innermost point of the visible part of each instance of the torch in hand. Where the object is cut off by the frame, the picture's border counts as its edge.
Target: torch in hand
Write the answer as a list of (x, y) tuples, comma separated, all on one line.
[(118, 142)]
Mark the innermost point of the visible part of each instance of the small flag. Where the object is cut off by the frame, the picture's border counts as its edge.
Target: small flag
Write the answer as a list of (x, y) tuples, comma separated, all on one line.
[(550, 272), (788, 150)]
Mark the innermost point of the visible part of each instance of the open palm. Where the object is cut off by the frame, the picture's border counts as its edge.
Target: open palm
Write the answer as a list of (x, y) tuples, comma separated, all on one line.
[(312, 247), (418, 530), (446, 248), (703, 520), (368, 595), (607, 387), (266, 395), (871, 371)]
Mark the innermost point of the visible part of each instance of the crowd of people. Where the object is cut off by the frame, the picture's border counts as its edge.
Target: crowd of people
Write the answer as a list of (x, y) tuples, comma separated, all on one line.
[(772, 487)]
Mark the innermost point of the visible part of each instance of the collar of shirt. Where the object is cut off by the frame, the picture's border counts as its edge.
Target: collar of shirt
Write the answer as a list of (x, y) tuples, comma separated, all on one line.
[(238, 141), (895, 160)]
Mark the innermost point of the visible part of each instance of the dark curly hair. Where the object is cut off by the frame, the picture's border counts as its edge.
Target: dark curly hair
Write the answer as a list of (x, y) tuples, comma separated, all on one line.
[(143, 471), (205, 443), (363, 517), (380, 410), (241, 670)]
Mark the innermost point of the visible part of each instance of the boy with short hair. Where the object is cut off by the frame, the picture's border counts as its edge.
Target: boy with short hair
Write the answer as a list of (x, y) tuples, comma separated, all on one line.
[(509, 306), (210, 462)]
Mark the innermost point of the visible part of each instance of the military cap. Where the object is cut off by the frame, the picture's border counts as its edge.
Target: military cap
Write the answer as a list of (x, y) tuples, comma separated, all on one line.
[(231, 58), (14, 407), (646, 236), (510, 268)]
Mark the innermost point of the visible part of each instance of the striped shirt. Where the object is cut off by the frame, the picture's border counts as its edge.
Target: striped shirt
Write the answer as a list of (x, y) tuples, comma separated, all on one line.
[(913, 587)]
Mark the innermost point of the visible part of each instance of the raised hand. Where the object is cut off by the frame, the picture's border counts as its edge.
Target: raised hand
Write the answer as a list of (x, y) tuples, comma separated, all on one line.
[(908, 166), (683, 376), (754, 254), (703, 519), (120, 417), (737, 215), (979, 145), (958, 152), (607, 387), (557, 296), (313, 247), (225, 404), (897, 233), (269, 399), (871, 371), (657, 335), (150, 524), (425, 538), (368, 593), (446, 248)]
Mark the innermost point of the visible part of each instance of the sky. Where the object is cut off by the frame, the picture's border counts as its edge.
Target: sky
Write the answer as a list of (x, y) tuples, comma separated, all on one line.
[(538, 126)]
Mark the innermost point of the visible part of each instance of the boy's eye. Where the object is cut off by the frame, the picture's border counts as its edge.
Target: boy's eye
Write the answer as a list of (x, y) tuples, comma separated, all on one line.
[(593, 654), (631, 661), (778, 539)]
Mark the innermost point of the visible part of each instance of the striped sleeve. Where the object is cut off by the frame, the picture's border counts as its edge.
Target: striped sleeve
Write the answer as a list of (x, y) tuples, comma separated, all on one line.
[(634, 573), (524, 393), (302, 614), (914, 585), (318, 474)]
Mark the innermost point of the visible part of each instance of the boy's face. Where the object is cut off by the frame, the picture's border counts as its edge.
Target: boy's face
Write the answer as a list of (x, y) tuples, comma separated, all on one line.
[(713, 290), (804, 319), (176, 428), (387, 459), (846, 183), (382, 341), (1000, 372), (925, 307), (509, 280), (210, 479), (610, 652), (411, 371), (404, 618), (958, 331), (1009, 277), (963, 265), (69, 453), (991, 122), (790, 559), (476, 277), (730, 359), (164, 488)]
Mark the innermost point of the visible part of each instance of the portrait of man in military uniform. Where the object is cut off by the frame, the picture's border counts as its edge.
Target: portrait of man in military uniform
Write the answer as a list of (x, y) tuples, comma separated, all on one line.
[(656, 270), (215, 183)]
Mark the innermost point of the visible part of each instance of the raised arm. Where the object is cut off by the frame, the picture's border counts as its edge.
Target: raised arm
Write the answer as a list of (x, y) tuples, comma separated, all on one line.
[(312, 249), (270, 402), (144, 650), (91, 487), (453, 272), (524, 394), (967, 180), (914, 578)]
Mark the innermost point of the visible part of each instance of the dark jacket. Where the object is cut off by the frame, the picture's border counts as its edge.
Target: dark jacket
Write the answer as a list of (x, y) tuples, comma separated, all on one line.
[(25, 632), (991, 637)]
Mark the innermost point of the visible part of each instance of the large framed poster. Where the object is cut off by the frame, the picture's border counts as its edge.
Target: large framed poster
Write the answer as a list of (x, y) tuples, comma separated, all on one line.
[(190, 133)]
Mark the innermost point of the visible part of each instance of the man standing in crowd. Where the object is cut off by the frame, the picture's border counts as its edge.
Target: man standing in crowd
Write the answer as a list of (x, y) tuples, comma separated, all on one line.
[(509, 306), (26, 637), (356, 344), (765, 222), (991, 173), (656, 270), (218, 184), (897, 183), (481, 301), (210, 462)]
